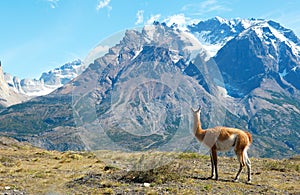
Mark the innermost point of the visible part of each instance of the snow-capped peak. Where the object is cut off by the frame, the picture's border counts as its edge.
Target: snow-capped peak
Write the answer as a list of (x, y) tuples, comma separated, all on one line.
[(272, 33), (63, 74), (48, 82), (221, 20), (216, 32)]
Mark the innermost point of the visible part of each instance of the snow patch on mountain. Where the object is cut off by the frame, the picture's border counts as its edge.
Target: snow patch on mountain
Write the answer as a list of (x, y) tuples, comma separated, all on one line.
[(295, 68), (212, 49), (284, 73)]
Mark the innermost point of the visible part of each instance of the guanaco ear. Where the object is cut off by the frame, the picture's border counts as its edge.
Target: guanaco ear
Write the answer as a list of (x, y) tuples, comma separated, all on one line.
[(199, 109)]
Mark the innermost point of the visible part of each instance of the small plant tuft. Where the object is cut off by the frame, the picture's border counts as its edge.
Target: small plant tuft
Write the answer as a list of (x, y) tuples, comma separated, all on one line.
[(156, 175)]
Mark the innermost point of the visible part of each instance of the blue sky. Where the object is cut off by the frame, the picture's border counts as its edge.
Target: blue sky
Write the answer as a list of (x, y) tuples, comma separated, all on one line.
[(39, 35)]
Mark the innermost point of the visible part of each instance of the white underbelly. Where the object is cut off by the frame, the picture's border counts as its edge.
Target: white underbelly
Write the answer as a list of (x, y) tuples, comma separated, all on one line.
[(227, 144)]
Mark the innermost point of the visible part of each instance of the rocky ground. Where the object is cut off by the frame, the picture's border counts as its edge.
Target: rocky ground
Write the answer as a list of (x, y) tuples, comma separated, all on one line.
[(28, 170)]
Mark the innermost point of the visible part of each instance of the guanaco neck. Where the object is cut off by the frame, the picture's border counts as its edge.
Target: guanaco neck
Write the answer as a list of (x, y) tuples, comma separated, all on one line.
[(199, 132)]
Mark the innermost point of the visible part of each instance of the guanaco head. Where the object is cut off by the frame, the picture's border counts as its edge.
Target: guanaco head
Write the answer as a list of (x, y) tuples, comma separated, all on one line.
[(196, 111)]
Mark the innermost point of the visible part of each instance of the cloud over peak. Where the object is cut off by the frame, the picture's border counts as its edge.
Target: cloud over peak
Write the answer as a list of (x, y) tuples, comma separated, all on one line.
[(207, 6), (153, 18), (140, 17)]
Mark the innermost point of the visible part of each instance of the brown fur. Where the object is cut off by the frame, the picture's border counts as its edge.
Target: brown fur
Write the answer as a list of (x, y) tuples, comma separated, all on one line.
[(200, 134), (249, 136), (241, 145), (225, 133)]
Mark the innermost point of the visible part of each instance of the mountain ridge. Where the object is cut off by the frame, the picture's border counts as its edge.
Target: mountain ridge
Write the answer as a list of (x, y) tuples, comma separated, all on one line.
[(258, 93), (7, 95)]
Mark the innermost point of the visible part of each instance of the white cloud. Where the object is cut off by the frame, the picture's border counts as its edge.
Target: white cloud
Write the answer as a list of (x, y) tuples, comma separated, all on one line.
[(205, 7), (153, 18), (53, 3), (102, 4), (140, 17), (178, 19)]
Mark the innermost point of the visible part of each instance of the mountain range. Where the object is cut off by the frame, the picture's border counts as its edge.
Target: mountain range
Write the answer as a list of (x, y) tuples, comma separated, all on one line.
[(243, 72), (25, 89)]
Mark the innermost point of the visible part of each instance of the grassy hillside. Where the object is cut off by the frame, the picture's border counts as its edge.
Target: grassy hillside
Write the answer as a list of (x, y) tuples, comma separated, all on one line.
[(37, 116), (28, 170)]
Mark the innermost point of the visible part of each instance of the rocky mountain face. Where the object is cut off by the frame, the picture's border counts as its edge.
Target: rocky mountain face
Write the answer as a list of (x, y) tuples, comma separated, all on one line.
[(7, 95), (260, 66), (268, 52), (244, 73)]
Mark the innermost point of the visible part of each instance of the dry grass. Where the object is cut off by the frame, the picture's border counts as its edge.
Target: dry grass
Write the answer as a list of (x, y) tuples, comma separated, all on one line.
[(30, 170)]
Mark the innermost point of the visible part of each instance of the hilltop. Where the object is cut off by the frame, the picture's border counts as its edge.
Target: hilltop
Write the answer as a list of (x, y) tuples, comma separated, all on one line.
[(30, 170)]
